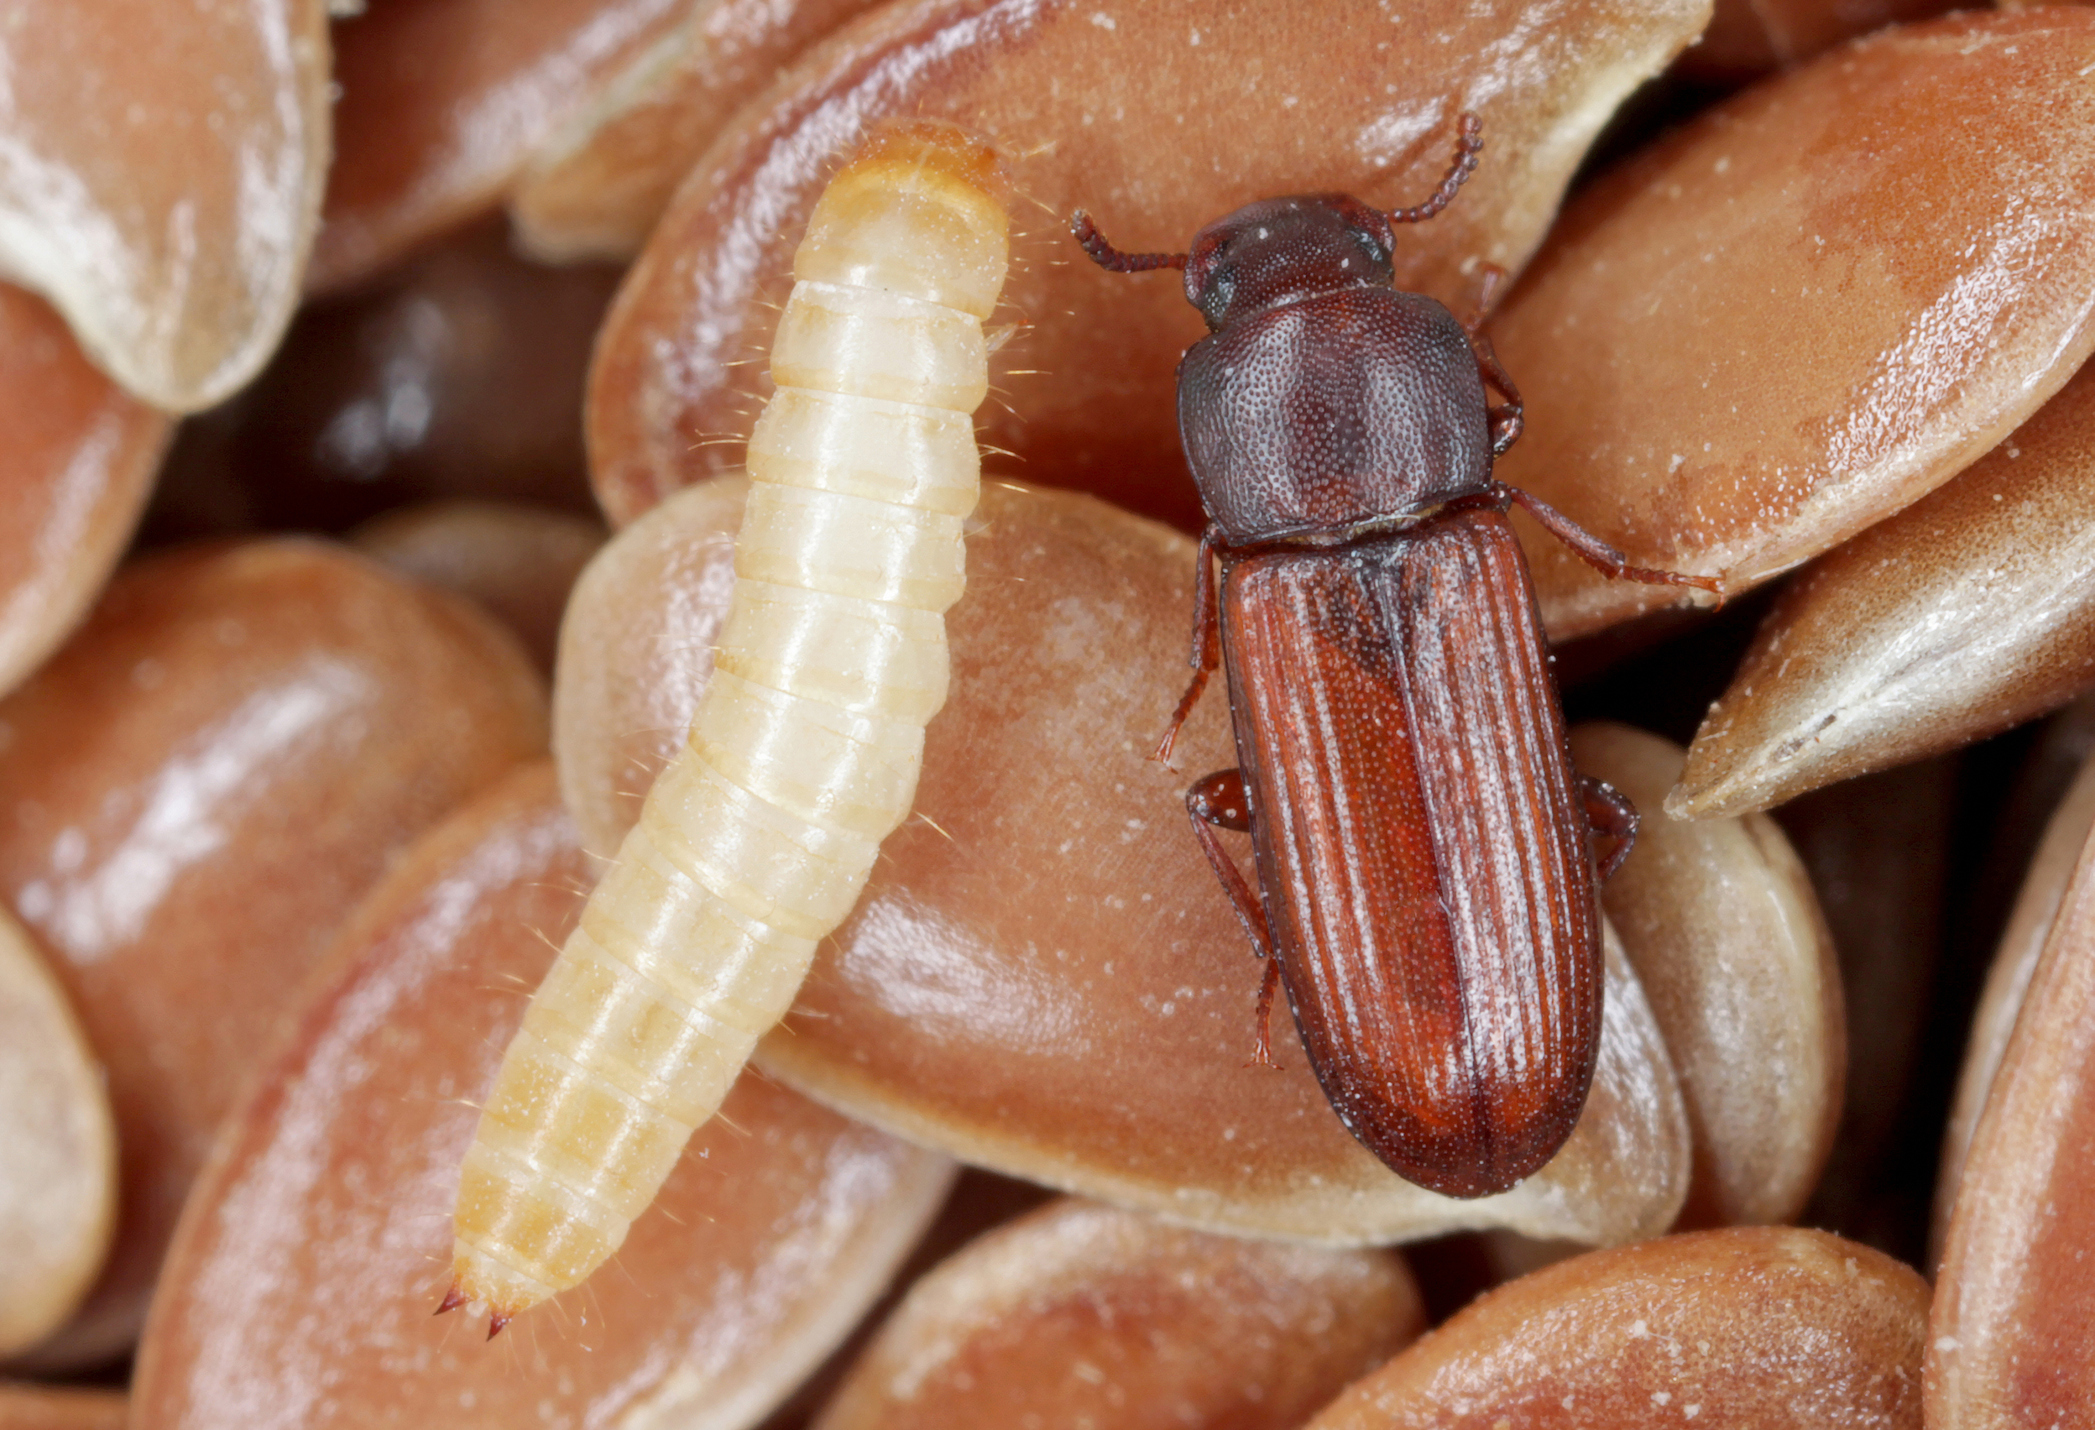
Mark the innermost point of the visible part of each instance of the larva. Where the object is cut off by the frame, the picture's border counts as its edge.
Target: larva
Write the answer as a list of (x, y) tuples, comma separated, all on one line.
[(804, 752)]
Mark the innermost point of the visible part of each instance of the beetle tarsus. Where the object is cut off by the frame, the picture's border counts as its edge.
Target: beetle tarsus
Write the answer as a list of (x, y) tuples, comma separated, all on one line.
[(1262, 1051), (1506, 426), (453, 1299), (1184, 712), (1506, 421), (496, 1320), (1610, 815)]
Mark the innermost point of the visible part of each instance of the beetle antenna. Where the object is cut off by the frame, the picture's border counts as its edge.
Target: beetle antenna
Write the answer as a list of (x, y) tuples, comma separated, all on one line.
[(1106, 256), (1469, 142)]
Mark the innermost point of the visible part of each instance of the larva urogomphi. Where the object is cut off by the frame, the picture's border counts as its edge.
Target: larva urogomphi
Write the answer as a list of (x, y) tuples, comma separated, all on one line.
[(804, 752)]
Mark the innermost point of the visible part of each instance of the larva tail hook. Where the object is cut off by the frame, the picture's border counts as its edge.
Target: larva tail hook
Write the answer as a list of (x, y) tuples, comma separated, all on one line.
[(456, 1297)]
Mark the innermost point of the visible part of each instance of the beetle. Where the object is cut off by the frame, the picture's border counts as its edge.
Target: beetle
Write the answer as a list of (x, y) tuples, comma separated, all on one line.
[(1427, 893)]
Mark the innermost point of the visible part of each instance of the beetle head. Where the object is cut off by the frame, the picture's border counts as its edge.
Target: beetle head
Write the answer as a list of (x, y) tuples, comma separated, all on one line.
[(1283, 250)]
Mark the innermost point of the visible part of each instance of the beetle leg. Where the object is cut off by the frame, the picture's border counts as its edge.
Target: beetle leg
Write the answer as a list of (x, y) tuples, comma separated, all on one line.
[(1262, 1051), (1506, 420), (1612, 816), (1186, 702), (1595, 552), (1219, 802), (1207, 644)]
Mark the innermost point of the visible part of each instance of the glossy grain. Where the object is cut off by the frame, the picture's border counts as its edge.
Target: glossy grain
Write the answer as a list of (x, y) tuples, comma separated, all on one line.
[(1143, 114), (457, 377), (2014, 1286), (598, 185), (197, 789), (1117, 1321), (1720, 921), (1739, 349), (443, 102), (648, 613), (1746, 38), (2008, 980), (1067, 996), (159, 179), (298, 1295), (1964, 614), (1882, 853), (32, 1407), (519, 562), (58, 1179), (80, 459), (1767, 1327)]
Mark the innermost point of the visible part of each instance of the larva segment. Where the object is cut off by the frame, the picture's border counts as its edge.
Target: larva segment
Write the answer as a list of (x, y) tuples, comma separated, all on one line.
[(804, 753)]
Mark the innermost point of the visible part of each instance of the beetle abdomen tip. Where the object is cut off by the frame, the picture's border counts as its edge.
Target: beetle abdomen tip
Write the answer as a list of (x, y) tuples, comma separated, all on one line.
[(1468, 1141)]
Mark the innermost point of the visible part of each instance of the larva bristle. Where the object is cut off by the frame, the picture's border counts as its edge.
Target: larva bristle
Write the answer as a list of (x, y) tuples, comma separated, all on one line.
[(756, 841)]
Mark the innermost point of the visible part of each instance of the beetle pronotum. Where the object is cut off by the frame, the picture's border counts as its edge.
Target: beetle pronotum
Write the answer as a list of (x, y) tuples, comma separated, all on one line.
[(804, 751)]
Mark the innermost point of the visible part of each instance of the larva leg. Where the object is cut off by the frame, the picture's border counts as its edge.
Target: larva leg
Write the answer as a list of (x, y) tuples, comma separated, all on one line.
[(803, 755)]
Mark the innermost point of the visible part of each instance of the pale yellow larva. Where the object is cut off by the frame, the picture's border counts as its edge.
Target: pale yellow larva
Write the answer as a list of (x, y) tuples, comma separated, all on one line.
[(804, 752)]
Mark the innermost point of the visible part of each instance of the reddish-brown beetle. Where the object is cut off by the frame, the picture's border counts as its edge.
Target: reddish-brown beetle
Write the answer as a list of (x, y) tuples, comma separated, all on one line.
[(1422, 842)]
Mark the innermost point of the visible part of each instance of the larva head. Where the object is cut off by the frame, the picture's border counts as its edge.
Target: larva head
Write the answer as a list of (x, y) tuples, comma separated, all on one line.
[(917, 211)]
